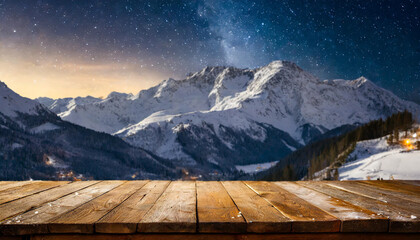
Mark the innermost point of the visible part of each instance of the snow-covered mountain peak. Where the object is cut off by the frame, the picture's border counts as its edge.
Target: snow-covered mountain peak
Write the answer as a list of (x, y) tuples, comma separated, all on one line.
[(11, 103), (213, 76), (118, 95), (362, 81), (358, 83), (46, 101), (165, 86), (220, 82), (285, 69), (284, 64), (207, 73)]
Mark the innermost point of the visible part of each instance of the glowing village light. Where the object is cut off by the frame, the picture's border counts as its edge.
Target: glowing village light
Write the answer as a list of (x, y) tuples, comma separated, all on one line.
[(407, 143)]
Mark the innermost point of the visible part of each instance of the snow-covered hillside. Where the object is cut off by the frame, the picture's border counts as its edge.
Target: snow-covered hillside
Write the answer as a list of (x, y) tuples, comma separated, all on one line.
[(219, 112), (11, 104), (374, 159), (30, 134)]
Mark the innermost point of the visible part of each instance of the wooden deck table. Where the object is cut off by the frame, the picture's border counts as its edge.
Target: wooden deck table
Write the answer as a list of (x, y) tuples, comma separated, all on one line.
[(209, 210)]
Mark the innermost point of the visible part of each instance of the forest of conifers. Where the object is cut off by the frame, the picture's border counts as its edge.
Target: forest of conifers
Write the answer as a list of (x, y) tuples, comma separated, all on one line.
[(319, 155)]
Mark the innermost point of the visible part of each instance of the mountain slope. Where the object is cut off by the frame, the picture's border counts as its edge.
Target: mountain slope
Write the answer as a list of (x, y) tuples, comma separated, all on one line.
[(12, 104), (209, 116), (375, 158), (319, 160), (35, 143)]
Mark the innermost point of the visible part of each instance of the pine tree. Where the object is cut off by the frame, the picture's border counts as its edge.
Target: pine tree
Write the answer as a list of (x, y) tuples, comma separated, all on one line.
[(390, 139), (396, 135), (336, 174)]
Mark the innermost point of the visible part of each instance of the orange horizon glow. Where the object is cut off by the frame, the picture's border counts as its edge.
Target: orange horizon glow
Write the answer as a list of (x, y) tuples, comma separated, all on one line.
[(32, 72), (77, 85)]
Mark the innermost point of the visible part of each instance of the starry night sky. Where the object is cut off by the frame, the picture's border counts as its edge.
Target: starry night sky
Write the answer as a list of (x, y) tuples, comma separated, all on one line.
[(70, 48)]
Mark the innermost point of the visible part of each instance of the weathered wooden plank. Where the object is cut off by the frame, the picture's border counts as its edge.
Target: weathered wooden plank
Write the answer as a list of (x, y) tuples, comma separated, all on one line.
[(36, 221), (411, 182), (412, 188), (354, 218), (82, 218), (306, 217), (24, 204), (174, 211), (284, 236), (125, 217), (377, 193), (392, 184), (401, 220), (260, 215), (395, 189), (11, 184), (410, 206), (17, 192), (5, 183), (216, 210)]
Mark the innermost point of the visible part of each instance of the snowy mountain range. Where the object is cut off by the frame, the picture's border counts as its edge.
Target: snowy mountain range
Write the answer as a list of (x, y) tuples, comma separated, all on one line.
[(36, 144), (220, 117)]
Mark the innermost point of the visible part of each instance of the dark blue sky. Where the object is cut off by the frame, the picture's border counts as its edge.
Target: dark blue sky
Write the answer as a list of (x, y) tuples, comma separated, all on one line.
[(331, 39)]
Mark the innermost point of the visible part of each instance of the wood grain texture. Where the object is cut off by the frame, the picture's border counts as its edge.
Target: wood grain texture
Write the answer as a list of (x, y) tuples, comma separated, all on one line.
[(11, 184), (409, 187), (386, 188), (174, 211), (409, 206), (293, 236), (36, 221), (24, 204), (391, 197), (125, 217), (306, 217), (17, 192), (82, 218), (260, 215), (353, 218), (401, 220), (216, 210), (411, 182)]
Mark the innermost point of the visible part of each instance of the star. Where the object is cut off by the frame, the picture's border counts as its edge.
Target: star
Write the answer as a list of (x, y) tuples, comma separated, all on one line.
[(377, 39)]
